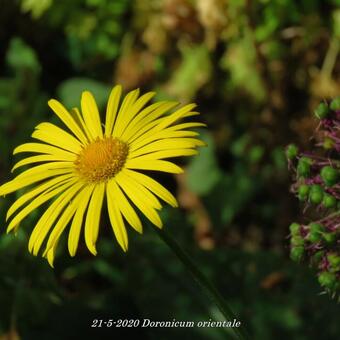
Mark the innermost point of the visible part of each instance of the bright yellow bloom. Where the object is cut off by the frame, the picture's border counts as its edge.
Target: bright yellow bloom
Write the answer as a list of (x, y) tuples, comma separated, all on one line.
[(90, 162)]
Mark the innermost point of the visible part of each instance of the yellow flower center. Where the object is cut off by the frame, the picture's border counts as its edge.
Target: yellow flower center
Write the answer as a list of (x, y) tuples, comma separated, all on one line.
[(102, 159)]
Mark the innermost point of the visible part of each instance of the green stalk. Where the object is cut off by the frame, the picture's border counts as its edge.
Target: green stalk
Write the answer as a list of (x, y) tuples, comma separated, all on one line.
[(203, 282)]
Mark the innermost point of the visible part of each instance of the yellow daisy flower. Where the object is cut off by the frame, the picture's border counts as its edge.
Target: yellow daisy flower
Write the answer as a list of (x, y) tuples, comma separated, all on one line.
[(90, 162)]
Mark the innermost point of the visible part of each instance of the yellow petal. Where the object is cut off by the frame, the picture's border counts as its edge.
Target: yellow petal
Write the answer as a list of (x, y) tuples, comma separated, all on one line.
[(67, 119), (139, 201), (47, 195), (42, 158), (42, 148), (167, 144), (47, 186), (163, 122), (80, 121), (143, 119), (157, 165), (66, 216), (93, 217), (47, 220), (116, 219), (64, 219), (124, 206), (183, 126), (91, 115), (73, 237), (123, 121), (139, 189), (126, 106), (167, 154), (154, 186), (51, 134), (160, 124), (50, 256), (185, 111), (165, 134), (20, 182), (112, 109), (44, 168)]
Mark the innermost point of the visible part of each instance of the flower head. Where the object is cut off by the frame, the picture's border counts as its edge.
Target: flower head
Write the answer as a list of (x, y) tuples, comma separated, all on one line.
[(89, 164)]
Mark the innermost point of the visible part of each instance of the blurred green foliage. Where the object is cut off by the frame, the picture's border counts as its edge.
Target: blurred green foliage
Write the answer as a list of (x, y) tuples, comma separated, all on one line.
[(256, 70)]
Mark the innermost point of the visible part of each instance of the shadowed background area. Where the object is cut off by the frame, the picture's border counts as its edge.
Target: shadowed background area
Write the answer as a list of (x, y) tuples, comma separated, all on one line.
[(257, 70)]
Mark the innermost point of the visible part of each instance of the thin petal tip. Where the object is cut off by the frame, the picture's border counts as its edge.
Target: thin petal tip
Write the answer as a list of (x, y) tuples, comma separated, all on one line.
[(124, 247), (86, 93), (174, 204), (50, 261), (92, 250), (159, 224), (10, 228)]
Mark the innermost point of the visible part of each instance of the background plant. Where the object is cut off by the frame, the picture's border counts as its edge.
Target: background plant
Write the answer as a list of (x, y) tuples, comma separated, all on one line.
[(316, 176)]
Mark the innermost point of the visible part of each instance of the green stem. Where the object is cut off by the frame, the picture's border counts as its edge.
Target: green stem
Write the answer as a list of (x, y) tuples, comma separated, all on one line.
[(203, 282), (330, 59)]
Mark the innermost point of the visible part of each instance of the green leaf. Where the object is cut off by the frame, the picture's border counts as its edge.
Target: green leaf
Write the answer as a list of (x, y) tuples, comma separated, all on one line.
[(20, 55), (193, 73), (203, 172), (36, 7), (70, 91)]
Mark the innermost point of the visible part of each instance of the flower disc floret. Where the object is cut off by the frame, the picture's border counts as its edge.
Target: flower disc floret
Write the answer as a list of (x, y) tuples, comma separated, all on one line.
[(101, 160)]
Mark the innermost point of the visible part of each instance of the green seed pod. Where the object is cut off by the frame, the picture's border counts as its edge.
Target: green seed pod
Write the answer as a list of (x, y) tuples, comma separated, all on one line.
[(297, 241), (294, 229), (335, 104), (329, 237), (327, 280), (334, 261), (321, 111), (314, 237), (317, 257), (315, 232), (296, 253), (316, 228), (329, 175), (328, 143), (329, 201), (316, 194), (303, 167), (291, 151), (303, 192)]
